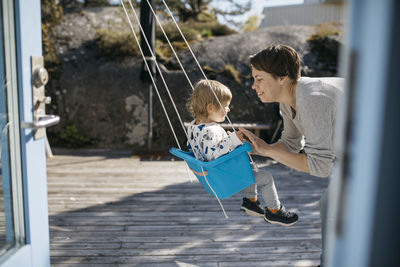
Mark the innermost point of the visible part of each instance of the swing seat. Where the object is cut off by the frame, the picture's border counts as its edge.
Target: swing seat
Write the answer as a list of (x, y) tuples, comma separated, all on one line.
[(227, 175)]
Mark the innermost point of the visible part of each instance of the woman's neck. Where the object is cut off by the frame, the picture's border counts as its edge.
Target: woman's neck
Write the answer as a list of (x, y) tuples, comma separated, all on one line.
[(289, 97)]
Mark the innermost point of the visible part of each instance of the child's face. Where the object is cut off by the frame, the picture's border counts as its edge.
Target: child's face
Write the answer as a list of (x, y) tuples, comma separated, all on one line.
[(267, 87), (216, 114)]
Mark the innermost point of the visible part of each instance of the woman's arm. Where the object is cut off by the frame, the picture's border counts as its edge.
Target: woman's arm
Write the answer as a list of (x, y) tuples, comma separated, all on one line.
[(293, 160), (278, 152)]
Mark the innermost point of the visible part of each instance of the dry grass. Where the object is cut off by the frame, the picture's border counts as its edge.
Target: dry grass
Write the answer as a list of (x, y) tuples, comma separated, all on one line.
[(325, 30)]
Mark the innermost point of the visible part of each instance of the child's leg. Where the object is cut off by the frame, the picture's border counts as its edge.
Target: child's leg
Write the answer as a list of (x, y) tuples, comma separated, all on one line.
[(266, 185), (251, 192), (274, 212), (250, 205)]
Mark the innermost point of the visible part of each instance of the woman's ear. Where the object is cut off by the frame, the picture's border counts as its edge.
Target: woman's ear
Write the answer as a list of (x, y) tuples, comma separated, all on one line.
[(283, 79)]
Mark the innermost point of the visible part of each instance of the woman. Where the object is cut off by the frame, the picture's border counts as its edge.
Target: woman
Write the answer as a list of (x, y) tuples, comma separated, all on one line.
[(308, 107)]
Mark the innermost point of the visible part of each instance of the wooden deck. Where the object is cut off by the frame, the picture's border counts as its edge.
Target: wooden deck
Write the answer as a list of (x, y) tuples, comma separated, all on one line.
[(112, 209)]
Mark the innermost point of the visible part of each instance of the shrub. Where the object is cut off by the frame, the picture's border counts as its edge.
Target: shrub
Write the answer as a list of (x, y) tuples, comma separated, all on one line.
[(325, 30), (174, 35), (230, 71), (210, 72), (52, 15), (74, 138), (206, 33), (251, 24), (93, 3), (211, 28), (193, 30), (51, 59), (164, 52), (325, 45), (115, 45), (221, 30)]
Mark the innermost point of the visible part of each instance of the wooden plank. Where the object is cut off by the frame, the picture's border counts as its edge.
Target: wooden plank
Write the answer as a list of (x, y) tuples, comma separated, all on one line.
[(197, 260), (271, 251), (282, 244)]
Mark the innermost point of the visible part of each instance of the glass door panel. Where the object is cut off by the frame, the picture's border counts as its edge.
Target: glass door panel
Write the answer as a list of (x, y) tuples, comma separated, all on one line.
[(12, 229), (6, 216)]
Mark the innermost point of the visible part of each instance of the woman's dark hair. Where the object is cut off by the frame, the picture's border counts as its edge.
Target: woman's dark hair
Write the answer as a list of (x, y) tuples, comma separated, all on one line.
[(279, 61)]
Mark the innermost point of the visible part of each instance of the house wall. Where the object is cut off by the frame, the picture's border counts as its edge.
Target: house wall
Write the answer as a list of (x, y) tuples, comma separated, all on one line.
[(305, 14)]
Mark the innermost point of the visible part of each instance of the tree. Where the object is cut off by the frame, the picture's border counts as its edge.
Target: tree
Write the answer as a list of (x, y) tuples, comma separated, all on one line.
[(235, 8), (186, 10), (70, 3), (251, 24), (88, 3), (52, 14)]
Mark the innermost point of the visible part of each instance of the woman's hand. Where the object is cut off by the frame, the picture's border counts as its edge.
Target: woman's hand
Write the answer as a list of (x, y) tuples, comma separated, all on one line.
[(259, 146)]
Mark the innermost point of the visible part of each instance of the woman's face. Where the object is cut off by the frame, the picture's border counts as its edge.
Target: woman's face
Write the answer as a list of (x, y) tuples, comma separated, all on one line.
[(267, 87)]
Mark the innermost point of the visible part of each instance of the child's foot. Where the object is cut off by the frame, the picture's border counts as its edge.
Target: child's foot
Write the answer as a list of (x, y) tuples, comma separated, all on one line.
[(252, 208), (282, 217)]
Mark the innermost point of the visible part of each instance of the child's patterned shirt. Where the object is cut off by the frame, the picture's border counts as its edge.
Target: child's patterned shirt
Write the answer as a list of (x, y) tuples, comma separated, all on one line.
[(209, 141)]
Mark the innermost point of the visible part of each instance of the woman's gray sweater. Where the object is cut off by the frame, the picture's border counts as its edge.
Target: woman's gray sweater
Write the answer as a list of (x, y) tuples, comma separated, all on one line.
[(314, 121)]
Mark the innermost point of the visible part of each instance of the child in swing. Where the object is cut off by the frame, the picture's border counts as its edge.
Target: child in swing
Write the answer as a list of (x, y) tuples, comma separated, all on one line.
[(208, 141)]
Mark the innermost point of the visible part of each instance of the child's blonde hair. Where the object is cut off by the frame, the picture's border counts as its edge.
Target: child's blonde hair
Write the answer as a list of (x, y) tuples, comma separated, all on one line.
[(202, 96)]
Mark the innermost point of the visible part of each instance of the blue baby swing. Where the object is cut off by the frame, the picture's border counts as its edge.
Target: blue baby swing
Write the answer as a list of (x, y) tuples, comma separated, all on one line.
[(224, 176)]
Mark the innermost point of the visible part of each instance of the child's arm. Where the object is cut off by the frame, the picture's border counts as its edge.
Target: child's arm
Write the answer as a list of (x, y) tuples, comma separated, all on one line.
[(217, 143)]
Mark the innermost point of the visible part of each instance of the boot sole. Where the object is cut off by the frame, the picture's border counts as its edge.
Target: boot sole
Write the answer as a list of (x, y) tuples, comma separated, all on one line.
[(251, 213), (280, 223)]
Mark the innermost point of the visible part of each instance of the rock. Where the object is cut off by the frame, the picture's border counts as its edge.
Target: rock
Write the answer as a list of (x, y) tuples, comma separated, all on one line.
[(108, 103)]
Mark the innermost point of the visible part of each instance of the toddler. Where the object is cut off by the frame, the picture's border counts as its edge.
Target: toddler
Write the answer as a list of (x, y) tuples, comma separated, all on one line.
[(208, 141)]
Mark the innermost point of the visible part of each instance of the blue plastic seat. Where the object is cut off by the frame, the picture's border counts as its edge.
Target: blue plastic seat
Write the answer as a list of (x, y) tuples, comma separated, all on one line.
[(227, 175)]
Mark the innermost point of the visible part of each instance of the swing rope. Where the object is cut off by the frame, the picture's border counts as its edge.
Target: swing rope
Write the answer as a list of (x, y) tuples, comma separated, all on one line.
[(215, 194), (151, 76), (166, 87), (153, 57), (170, 45), (157, 66), (198, 64), (153, 81)]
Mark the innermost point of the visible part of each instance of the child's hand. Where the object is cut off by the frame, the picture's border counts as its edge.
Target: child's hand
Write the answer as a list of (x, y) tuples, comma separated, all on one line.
[(239, 134)]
